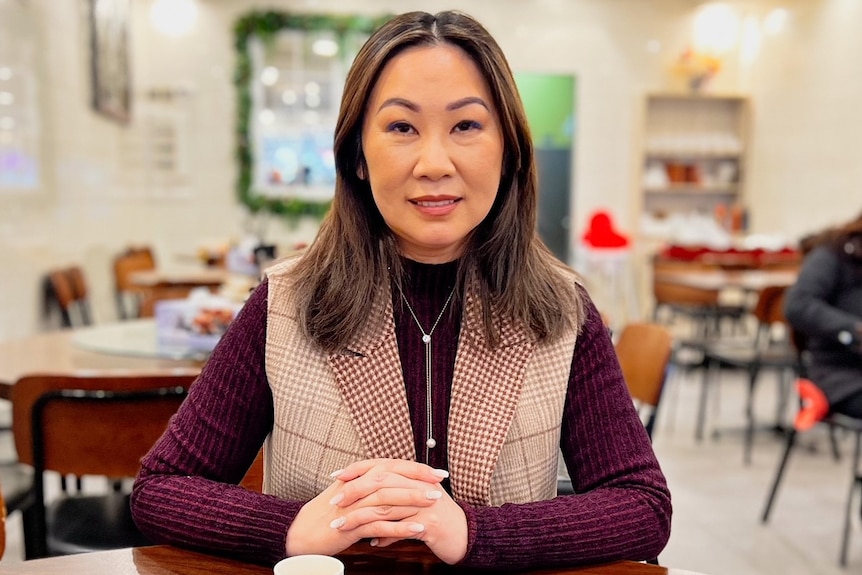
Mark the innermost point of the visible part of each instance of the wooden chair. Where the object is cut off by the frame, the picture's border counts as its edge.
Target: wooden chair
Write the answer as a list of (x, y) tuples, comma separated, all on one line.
[(702, 309), (644, 352), (127, 295), (83, 425), (149, 298), (753, 354), (65, 289)]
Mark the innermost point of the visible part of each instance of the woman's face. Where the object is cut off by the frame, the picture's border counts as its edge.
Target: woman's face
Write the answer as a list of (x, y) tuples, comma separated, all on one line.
[(433, 149)]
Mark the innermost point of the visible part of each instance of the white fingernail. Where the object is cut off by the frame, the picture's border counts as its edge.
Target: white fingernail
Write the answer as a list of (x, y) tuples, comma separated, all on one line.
[(441, 473), (336, 473), (416, 527), (374, 542), (432, 494), (337, 499), (336, 523)]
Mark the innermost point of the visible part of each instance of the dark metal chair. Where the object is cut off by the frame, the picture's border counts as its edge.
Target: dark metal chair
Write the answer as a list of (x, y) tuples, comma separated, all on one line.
[(99, 425), (810, 397), (753, 355)]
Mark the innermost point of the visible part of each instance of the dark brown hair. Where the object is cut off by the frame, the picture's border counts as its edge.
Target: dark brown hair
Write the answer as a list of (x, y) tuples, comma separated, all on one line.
[(846, 239), (338, 276)]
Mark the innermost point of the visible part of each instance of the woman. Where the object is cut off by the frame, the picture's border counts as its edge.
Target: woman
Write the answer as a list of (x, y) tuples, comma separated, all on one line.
[(825, 307), (416, 372)]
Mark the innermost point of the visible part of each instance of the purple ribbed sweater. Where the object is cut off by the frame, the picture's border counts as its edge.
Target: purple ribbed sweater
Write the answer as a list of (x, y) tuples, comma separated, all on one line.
[(186, 493)]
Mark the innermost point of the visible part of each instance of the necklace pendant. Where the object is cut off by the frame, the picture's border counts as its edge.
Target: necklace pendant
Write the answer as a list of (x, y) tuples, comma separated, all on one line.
[(431, 443), (426, 338)]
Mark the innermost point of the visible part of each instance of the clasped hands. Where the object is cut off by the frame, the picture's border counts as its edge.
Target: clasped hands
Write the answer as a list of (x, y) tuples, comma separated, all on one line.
[(385, 500)]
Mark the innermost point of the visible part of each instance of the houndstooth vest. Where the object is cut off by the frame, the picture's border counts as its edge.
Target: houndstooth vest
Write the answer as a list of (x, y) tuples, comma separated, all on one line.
[(332, 409)]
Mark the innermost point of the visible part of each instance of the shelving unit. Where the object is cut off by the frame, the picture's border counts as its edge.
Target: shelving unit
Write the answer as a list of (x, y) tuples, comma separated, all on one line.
[(692, 155)]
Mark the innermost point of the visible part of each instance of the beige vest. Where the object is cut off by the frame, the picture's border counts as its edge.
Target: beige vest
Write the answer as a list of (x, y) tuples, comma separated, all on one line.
[(334, 409)]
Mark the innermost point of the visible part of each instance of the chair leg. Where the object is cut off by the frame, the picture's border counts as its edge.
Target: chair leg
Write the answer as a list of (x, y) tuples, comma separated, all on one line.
[(848, 508), (833, 442), (701, 407), (779, 474), (753, 371)]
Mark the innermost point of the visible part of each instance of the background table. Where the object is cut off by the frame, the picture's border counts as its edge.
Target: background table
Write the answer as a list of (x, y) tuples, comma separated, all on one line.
[(192, 278), (123, 346), (410, 558), (747, 280)]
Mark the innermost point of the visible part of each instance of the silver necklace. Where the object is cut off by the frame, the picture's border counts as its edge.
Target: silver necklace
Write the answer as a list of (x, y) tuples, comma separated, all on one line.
[(430, 442)]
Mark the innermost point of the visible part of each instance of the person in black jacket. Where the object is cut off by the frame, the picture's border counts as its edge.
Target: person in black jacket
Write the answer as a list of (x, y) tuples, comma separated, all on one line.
[(825, 308)]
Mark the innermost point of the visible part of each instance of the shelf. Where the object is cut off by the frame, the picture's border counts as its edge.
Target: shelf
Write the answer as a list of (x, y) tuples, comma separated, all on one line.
[(690, 138), (692, 155), (729, 190)]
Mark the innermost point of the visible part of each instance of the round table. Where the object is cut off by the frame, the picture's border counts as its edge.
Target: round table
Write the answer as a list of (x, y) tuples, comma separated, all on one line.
[(405, 558)]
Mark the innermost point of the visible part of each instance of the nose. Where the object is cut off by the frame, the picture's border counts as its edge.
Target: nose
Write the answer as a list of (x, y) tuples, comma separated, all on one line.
[(434, 160)]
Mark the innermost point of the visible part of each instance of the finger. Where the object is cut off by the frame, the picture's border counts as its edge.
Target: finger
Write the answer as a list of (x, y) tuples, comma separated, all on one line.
[(396, 530), (369, 515), (383, 541), (394, 490), (404, 467)]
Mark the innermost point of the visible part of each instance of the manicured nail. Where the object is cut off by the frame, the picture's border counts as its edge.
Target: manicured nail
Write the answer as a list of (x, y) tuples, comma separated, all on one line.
[(336, 473), (432, 494), (337, 499), (441, 473), (336, 523), (416, 527), (374, 542)]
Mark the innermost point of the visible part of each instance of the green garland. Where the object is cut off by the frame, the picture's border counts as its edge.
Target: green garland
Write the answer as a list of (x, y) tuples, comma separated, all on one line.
[(265, 25)]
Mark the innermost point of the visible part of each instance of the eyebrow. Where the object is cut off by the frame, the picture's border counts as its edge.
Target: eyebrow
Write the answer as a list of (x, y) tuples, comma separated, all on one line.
[(456, 105)]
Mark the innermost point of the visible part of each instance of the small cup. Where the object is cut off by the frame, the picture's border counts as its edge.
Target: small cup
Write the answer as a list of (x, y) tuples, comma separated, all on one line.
[(309, 565)]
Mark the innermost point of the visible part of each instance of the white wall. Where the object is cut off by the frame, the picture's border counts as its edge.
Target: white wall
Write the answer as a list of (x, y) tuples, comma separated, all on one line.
[(805, 168)]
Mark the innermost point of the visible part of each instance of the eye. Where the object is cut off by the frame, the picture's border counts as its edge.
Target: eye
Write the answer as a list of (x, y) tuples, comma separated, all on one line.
[(466, 126), (400, 128)]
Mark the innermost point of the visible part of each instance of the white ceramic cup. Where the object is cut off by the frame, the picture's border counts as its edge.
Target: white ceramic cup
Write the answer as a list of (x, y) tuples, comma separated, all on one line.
[(309, 565)]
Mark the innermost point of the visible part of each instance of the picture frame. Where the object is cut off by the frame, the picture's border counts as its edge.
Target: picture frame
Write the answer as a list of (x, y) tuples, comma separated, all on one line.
[(110, 46)]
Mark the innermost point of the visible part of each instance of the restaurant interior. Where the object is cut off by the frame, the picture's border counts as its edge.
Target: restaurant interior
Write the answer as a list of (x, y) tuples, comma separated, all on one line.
[(158, 154)]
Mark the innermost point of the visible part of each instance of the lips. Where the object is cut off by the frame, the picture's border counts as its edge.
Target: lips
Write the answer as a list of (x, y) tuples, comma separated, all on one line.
[(435, 206), (434, 202)]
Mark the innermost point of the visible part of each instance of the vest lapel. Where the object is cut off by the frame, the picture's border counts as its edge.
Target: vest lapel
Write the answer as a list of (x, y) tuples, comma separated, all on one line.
[(485, 389), (368, 375)]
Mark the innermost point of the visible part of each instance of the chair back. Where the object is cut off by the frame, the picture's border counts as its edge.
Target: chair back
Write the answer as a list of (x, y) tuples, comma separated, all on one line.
[(253, 479), (769, 312), (131, 260), (670, 293), (93, 424), (644, 352), (89, 425), (769, 308), (66, 290)]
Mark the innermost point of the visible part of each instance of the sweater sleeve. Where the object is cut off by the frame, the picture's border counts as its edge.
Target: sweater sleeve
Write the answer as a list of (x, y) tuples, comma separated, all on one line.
[(186, 493), (621, 508)]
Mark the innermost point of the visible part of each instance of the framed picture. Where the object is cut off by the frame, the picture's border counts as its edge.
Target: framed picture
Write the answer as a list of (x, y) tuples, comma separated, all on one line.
[(109, 40)]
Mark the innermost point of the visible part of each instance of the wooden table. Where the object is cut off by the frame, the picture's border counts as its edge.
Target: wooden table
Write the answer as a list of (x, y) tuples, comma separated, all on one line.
[(164, 560), (191, 278), (70, 351), (746, 280)]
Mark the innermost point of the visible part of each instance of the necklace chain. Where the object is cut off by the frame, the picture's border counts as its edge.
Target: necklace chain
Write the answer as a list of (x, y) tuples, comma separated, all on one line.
[(430, 442)]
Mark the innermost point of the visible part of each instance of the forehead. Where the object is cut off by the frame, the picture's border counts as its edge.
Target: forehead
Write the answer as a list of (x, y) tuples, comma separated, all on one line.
[(440, 70)]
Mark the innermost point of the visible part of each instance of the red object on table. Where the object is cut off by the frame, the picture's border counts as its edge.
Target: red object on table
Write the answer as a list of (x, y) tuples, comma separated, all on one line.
[(757, 256)]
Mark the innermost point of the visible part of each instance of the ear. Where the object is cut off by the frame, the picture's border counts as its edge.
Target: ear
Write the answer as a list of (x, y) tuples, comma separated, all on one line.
[(361, 169)]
